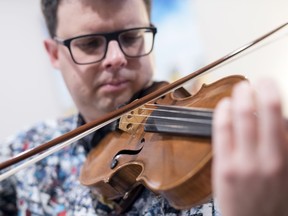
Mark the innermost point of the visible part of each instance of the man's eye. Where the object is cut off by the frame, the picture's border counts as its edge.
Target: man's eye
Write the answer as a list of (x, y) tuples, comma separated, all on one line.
[(130, 38), (90, 44)]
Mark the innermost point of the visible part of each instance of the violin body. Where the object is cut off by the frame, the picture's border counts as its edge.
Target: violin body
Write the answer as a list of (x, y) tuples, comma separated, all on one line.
[(178, 167)]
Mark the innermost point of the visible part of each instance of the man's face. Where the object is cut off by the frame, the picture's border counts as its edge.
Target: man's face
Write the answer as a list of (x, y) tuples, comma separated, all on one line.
[(101, 87)]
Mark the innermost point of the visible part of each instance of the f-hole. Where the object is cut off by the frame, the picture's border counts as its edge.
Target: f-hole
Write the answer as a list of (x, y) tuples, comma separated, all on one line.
[(114, 161)]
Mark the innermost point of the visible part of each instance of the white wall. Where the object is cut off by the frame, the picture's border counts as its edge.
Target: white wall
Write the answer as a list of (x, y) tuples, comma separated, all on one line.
[(30, 90), (225, 25)]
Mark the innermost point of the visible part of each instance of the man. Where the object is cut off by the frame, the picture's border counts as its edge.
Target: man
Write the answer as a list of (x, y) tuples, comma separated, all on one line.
[(97, 47)]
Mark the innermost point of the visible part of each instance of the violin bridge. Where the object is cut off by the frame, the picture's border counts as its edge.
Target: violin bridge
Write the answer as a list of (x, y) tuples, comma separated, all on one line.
[(131, 121)]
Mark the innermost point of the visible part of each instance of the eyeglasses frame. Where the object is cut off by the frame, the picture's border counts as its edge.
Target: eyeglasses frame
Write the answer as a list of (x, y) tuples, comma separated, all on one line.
[(109, 36)]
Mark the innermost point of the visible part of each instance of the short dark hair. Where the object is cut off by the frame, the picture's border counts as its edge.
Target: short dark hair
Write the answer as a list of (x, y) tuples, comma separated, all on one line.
[(50, 8)]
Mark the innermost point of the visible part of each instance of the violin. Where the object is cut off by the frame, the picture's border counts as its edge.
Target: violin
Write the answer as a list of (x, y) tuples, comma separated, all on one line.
[(164, 145), (163, 141)]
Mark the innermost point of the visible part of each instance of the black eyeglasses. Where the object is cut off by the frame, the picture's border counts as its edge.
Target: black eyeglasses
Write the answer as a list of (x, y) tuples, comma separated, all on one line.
[(92, 48)]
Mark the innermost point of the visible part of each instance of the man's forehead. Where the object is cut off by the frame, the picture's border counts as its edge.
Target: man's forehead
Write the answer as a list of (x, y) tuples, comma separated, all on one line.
[(90, 16)]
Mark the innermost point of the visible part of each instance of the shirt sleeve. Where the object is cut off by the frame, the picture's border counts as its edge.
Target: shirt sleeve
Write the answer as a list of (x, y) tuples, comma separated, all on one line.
[(8, 196)]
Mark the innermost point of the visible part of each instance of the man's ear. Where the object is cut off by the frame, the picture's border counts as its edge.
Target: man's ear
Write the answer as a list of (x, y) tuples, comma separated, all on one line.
[(51, 47)]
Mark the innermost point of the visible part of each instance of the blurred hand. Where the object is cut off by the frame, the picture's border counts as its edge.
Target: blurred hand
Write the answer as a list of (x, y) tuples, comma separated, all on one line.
[(250, 163)]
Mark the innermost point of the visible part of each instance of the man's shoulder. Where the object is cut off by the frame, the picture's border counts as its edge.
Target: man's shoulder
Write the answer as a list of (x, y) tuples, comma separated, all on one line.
[(39, 133)]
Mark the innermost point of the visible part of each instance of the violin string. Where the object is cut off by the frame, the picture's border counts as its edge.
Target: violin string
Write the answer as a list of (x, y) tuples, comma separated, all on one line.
[(178, 119), (166, 125), (171, 125), (196, 112), (186, 107), (187, 111), (184, 110)]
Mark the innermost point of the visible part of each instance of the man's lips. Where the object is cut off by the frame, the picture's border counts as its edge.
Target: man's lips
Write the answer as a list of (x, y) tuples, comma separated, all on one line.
[(114, 86)]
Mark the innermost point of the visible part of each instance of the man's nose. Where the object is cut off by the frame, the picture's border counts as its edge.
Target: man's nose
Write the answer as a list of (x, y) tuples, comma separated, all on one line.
[(114, 58)]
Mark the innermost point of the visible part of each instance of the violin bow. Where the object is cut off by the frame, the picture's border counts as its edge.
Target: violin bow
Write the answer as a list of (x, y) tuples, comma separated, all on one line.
[(84, 130)]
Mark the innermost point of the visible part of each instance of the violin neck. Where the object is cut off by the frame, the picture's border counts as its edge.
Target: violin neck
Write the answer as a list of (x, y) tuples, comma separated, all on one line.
[(181, 121)]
